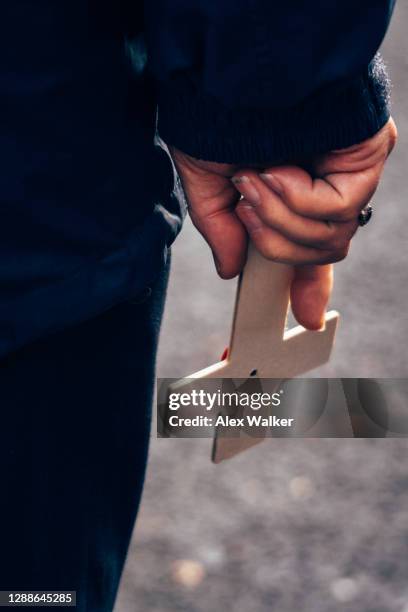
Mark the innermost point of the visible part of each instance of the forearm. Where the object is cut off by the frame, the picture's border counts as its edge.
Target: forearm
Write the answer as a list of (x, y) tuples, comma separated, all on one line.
[(337, 117), (273, 82)]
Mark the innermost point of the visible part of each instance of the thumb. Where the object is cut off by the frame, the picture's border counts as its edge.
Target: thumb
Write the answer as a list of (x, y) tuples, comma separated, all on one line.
[(227, 238), (212, 199), (310, 292)]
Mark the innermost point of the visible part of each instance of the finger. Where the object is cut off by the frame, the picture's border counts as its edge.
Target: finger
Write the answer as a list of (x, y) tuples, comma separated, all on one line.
[(227, 238), (336, 197), (273, 245), (273, 211), (310, 292)]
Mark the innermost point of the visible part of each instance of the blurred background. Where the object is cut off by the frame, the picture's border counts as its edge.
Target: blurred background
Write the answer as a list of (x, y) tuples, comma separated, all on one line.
[(315, 525)]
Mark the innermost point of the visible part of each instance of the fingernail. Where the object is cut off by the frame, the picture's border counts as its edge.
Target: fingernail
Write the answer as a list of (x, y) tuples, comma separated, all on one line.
[(247, 189), (250, 218), (272, 182)]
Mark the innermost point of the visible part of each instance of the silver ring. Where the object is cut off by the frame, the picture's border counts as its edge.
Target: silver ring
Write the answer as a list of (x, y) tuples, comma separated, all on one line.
[(365, 215)]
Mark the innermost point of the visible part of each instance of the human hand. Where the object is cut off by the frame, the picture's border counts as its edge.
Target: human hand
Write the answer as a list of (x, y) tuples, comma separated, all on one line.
[(305, 218)]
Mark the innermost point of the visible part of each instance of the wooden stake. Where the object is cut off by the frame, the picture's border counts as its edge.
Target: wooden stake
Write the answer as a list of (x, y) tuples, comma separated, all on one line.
[(260, 345)]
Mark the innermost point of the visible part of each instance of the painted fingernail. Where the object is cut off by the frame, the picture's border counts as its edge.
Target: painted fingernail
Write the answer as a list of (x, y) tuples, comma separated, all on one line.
[(246, 188), (272, 182)]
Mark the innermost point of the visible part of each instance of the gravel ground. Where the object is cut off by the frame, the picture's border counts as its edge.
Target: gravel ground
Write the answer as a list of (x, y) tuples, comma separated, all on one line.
[(315, 525)]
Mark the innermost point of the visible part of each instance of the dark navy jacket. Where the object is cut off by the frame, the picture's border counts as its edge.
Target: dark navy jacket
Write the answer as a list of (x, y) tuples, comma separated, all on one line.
[(88, 207)]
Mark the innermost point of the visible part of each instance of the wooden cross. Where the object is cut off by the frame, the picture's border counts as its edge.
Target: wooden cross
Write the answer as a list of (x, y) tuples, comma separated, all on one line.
[(260, 346)]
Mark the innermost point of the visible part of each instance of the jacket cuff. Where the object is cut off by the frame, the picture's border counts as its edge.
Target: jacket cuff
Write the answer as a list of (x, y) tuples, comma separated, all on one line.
[(333, 118)]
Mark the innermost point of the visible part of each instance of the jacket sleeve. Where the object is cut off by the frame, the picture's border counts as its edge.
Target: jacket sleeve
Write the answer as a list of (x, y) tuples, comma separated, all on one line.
[(262, 81)]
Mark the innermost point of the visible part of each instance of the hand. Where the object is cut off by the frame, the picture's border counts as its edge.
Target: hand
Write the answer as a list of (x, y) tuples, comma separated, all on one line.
[(306, 218)]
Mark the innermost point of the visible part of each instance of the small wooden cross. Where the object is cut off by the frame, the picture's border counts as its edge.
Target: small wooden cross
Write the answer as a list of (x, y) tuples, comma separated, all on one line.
[(260, 345)]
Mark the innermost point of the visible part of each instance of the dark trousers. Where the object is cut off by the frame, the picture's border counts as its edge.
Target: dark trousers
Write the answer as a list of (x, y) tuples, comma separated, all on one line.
[(75, 412)]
